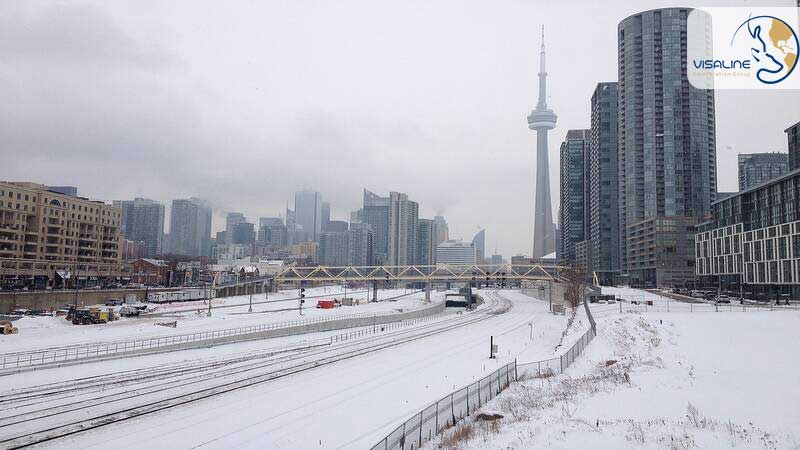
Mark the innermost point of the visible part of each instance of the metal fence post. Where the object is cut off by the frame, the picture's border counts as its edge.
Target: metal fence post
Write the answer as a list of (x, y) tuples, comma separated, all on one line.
[(420, 428), (453, 409), (436, 421), (467, 402)]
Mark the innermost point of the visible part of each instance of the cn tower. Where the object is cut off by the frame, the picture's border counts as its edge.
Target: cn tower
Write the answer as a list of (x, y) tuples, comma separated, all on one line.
[(542, 120)]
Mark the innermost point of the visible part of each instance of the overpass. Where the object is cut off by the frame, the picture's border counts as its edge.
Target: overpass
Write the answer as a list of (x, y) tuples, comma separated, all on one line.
[(479, 274)]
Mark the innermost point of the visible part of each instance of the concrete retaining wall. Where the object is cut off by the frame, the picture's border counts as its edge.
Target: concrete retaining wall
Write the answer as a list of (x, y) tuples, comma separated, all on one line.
[(44, 300)]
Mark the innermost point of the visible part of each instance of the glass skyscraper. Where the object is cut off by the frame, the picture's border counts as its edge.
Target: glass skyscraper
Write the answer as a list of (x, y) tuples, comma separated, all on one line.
[(667, 152)]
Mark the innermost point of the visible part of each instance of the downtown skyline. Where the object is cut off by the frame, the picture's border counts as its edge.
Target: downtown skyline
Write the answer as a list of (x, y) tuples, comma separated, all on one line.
[(195, 135)]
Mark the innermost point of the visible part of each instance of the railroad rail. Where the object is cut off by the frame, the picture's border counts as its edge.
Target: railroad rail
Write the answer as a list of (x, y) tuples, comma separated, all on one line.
[(33, 418)]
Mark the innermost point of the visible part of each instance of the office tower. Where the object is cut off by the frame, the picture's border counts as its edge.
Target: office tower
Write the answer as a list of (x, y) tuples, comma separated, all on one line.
[(479, 242), (231, 220), (793, 137), (455, 253), (274, 235), (143, 221), (756, 168), (71, 191), (291, 226), (667, 152), (360, 241), (542, 120), (376, 213), (426, 242), (243, 233), (333, 249), (269, 221), (357, 216), (326, 214), (574, 152), (308, 214), (39, 224), (339, 226), (442, 230), (190, 227), (604, 185), (403, 217)]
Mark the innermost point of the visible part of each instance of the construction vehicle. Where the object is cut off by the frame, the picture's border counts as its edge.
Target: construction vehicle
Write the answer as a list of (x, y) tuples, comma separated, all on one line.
[(7, 327), (86, 316)]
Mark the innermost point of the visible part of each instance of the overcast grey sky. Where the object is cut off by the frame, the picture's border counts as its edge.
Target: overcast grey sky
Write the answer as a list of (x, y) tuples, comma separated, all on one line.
[(244, 103)]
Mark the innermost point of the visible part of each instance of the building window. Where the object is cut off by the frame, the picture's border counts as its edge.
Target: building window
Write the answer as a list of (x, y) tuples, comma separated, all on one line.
[(787, 271), (782, 248)]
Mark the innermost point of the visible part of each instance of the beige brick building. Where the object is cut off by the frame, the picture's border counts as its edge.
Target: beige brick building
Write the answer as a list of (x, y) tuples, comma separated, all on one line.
[(56, 232)]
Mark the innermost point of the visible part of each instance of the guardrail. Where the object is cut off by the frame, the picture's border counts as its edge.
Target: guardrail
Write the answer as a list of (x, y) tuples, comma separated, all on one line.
[(652, 304), (20, 360), (435, 418)]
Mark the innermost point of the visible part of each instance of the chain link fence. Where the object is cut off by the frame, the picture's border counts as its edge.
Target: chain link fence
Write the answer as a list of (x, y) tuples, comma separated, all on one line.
[(445, 413), (56, 355), (423, 426)]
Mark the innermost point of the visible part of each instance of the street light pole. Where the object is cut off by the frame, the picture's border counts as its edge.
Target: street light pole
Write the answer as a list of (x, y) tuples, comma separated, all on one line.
[(75, 282), (250, 309)]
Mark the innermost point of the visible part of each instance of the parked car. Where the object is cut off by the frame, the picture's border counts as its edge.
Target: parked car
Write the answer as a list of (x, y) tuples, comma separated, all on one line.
[(697, 294), (114, 302), (129, 311)]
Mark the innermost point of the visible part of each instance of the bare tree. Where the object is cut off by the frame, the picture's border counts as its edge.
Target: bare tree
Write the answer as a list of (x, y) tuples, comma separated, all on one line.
[(574, 286)]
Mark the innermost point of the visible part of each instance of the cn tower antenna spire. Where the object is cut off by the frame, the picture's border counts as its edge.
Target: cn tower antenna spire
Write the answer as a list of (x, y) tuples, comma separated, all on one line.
[(541, 120)]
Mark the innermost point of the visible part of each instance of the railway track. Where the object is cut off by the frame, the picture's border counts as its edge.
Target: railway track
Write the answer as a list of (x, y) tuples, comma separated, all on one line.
[(36, 420)]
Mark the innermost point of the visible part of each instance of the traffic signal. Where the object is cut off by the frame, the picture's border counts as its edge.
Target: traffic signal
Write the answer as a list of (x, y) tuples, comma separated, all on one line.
[(302, 295)]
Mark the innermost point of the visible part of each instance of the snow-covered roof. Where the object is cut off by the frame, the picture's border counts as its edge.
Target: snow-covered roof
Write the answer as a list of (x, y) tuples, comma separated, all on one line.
[(155, 262)]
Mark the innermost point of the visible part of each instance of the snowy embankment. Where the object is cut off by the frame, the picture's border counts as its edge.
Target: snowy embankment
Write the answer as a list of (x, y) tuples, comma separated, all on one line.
[(658, 380), (44, 331)]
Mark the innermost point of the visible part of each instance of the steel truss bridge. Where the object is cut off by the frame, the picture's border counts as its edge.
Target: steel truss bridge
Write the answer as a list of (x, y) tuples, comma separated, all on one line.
[(480, 273)]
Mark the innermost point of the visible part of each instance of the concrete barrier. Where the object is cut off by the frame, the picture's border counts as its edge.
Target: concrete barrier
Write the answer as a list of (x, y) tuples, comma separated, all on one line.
[(44, 300)]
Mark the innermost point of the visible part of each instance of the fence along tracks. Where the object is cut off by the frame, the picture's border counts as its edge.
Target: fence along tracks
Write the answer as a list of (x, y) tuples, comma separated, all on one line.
[(435, 418), (44, 413), (89, 351)]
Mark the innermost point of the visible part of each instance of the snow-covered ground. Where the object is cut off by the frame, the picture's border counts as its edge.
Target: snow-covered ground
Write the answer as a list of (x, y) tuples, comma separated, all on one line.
[(347, 404), (650, 380), (44, 331)]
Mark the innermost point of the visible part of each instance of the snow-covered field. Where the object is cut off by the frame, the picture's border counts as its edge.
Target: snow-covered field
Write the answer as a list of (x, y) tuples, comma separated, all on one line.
[(43, 331), (676, 380), (346, 404)]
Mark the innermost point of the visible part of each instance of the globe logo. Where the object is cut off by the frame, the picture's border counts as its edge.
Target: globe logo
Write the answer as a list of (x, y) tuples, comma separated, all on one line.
[(773, 47)]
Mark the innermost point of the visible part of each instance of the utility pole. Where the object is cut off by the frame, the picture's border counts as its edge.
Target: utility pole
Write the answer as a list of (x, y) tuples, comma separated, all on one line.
[(302, 299), (75, 282)]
